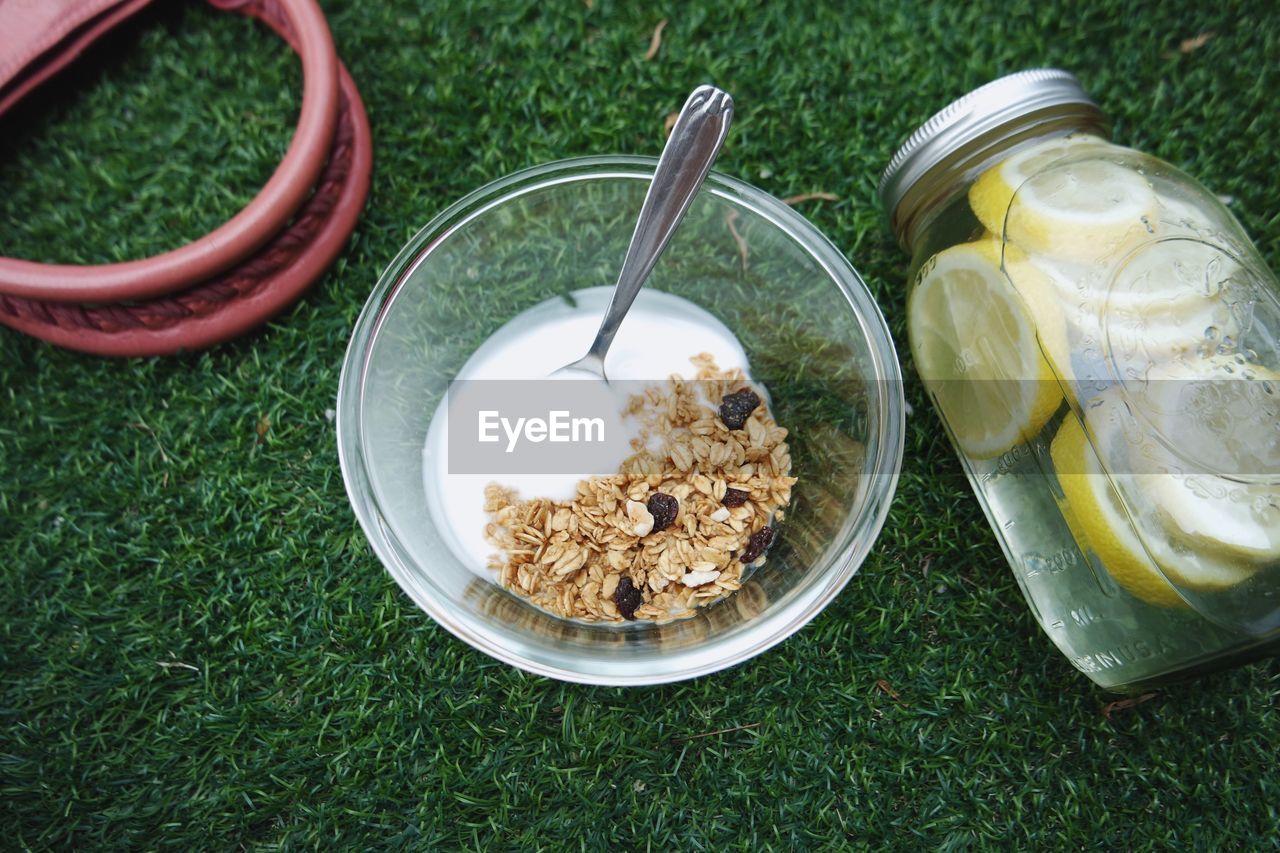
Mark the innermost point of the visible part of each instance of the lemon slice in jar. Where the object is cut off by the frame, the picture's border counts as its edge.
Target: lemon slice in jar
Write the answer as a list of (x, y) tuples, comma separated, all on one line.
[(975, 343), (991, 193), (1129, 452), (1139, 550), (1098, 520), (1048, 305), (1164, 302), (1218, 481), (1164, 298), (1056, 199)]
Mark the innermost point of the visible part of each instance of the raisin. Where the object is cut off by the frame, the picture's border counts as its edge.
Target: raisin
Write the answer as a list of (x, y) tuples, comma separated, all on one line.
[(735, 408), (735, 497), (757, 545), (664, 509), (628, 598)]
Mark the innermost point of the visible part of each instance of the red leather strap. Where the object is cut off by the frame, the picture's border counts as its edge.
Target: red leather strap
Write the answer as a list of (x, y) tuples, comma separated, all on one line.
[(234, 291), (301, 23), (238, 300)]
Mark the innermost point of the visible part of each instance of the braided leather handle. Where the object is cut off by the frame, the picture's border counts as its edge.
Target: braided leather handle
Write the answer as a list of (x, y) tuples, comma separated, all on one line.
[(242, 291)]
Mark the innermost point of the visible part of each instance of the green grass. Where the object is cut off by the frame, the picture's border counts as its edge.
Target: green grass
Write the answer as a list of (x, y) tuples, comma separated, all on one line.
[(198, 647)]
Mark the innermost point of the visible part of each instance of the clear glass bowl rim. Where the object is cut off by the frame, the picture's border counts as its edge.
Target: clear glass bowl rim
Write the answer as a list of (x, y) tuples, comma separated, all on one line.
[(771, 628)]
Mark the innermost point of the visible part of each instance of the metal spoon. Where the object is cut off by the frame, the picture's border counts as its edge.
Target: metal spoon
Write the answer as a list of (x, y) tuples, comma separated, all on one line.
[(691, 148)]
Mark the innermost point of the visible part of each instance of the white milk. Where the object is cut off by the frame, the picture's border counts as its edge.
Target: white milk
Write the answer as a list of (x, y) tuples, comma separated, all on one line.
[(658, 337)]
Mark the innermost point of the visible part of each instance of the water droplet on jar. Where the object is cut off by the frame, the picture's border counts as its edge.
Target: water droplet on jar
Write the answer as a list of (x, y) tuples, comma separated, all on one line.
[(1229, 342), (1211, 333), (1146, 223)]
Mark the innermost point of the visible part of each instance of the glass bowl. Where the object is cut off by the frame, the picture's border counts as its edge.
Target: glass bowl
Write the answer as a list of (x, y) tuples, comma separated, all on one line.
[(812, 332)]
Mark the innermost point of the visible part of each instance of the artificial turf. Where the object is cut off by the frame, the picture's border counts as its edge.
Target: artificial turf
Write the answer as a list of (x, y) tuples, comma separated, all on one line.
[(199, 649)]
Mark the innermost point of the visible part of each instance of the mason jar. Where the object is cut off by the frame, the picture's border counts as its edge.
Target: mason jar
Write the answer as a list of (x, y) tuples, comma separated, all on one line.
[(1099, 338)]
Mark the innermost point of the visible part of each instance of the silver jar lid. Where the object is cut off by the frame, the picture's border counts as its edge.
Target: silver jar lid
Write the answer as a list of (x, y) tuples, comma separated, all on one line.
[(938, 158)]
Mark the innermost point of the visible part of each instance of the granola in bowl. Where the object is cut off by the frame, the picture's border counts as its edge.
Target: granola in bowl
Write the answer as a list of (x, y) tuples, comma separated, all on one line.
[(676, 528)]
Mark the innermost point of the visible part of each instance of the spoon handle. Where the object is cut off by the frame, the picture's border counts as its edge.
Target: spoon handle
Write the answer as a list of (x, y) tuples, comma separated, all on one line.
[(691, 148)]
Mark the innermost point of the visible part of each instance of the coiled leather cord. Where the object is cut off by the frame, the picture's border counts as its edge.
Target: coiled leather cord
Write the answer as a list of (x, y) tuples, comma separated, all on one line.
[(247, 270)]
